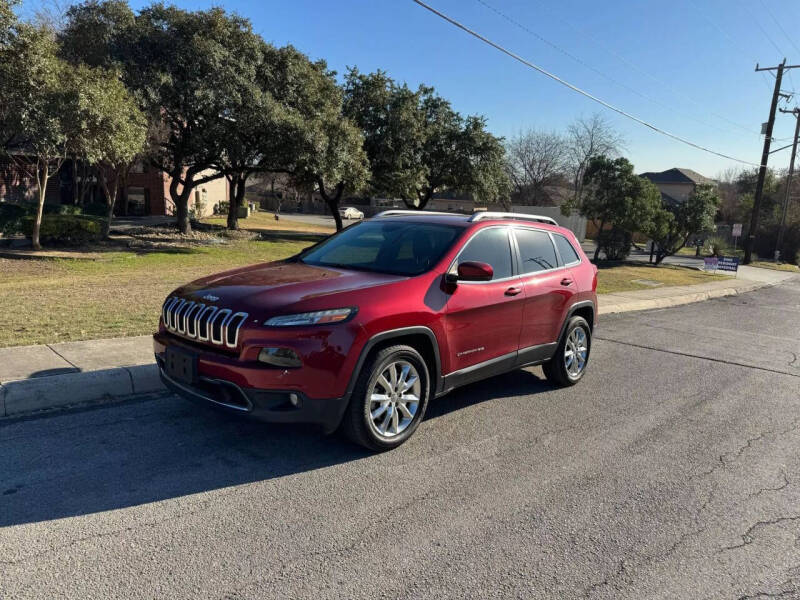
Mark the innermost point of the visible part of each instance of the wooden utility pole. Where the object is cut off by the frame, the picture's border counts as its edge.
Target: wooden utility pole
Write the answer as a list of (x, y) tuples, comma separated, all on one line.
[(779, 244), (762, 170)]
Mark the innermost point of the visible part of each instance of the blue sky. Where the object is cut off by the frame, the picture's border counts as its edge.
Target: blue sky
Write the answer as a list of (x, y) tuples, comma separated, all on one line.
[(684, 65)]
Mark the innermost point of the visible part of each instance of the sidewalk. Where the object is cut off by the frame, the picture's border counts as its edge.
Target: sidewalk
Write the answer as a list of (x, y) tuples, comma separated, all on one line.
[(35, 378)]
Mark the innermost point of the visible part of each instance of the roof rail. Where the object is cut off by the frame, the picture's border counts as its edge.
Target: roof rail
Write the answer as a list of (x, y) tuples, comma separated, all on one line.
[(480, 216), (392, 213)]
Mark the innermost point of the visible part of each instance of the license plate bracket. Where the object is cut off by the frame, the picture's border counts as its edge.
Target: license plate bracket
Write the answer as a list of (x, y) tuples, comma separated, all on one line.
[(180, 365)]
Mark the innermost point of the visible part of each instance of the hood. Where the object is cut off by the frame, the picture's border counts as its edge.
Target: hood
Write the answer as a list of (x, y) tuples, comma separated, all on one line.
[(272, 287)]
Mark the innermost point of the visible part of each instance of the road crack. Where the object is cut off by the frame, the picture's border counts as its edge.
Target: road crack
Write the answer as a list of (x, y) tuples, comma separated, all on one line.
[(732, 363), (786, 483), (748, 537)]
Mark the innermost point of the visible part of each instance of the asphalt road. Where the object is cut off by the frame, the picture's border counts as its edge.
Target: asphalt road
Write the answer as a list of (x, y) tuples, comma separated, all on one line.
[(671, 471)]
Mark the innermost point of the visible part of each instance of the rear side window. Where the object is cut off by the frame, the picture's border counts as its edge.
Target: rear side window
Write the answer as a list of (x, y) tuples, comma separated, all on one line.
[(536, 251), (565, 249), (490, 246)]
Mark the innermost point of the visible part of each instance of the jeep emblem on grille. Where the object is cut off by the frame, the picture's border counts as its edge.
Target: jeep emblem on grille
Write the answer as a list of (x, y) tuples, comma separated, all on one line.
[(210, 298)]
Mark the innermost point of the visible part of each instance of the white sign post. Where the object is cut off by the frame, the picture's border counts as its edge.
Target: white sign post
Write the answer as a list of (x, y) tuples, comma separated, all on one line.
[(736, 233)]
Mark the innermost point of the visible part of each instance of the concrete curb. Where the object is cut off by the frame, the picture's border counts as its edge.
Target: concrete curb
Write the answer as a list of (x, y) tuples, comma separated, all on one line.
[(670, 301), (27, 396)]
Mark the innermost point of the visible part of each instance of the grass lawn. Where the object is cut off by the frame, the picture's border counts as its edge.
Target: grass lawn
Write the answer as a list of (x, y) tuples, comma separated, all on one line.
[(49, 301), (265, 221), (763, 264), (622, 277)]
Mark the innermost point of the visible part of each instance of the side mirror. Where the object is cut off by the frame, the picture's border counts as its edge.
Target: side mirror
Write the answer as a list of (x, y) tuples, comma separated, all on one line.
[(472, 271)]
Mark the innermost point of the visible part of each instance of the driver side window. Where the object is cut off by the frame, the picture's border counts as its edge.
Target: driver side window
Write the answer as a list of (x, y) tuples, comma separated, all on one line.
[(490, 246)]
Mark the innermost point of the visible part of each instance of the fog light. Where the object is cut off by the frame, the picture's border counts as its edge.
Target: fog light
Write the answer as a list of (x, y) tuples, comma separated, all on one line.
[(280, 357), (295, 400)]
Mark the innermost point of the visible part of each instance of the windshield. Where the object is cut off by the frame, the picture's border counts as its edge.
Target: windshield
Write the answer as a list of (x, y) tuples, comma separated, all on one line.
[(394, 247)]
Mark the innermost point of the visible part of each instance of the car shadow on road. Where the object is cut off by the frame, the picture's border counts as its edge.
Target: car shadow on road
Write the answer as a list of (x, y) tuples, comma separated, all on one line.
[(139, 452), (521, 382)]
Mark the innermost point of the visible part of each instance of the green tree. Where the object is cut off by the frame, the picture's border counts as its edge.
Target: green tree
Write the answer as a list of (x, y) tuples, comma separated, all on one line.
[(320, 148), (111, 130), (188, 70), (36, 108), (389, 117), (418, 145), (458, 153), (614, 195), (675, 222), (98, 33)]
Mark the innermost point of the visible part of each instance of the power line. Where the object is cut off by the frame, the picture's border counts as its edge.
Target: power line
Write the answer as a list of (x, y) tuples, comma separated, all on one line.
[(590, 67), (733, 43), (576, 88), (764, 31), (778, 23), (633, 66)]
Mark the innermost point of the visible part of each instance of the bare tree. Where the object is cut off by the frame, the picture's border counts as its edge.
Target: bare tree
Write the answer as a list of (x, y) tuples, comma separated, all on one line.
[(588, 137), (535, 159), (730, 208)]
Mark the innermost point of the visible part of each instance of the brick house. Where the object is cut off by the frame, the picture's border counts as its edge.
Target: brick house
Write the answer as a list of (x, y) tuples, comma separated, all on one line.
[(146, 191)]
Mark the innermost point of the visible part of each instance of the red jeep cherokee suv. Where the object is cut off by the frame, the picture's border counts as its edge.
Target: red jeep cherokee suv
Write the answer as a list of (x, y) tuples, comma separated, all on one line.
[(360, 331)]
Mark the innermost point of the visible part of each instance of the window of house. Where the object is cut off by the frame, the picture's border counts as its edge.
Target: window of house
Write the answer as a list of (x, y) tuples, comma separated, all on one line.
[(137, 201)]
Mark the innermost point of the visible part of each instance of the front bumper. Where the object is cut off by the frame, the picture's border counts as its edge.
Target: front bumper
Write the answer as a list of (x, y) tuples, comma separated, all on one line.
[(274, 406)]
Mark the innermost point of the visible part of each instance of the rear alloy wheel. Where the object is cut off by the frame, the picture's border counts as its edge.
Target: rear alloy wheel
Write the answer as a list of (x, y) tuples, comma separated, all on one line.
[(389, 399), (568, 364)]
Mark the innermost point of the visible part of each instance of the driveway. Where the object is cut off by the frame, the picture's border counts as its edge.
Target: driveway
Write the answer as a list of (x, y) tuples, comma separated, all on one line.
[(671, 471)]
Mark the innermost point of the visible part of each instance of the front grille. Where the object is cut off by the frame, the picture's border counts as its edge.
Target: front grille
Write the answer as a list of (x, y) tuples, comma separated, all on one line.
[(202, 322)]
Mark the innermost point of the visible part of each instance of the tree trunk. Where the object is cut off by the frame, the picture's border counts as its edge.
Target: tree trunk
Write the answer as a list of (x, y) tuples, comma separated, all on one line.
[(424, 198), (111, 198), (181, 201), (237, 189), (76, 191), (597, 241), (182, 212), (333, 202), (42, 174)]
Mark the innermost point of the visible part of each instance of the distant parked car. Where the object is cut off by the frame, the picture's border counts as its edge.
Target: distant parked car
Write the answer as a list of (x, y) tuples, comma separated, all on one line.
[(348, 212)]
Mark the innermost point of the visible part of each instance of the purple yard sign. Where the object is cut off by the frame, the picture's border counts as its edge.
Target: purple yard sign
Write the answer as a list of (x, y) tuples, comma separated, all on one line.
[(710, 263)]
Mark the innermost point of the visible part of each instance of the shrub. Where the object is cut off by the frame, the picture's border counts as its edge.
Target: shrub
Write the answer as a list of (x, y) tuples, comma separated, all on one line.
[(61, 209), (717, 246), (66, 229), (615, 243), (97, 209), (11, 216), (224, 207), (767, 239)]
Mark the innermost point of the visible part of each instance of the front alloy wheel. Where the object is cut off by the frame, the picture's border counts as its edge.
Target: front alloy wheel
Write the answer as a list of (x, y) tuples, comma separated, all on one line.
[(395, 399), (389, 398)]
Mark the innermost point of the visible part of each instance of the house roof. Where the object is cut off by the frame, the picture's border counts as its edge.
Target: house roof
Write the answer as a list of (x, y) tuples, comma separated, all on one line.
[(677, 175)]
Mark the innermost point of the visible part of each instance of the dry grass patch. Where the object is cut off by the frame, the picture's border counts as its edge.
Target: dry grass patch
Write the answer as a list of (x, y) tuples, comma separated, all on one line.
[(622, 277), (763, 264), (265, 221), (63, 300)]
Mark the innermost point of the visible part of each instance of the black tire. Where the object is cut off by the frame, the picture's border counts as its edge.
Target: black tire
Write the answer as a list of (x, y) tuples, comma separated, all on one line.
[(357, 423), (556, 368)]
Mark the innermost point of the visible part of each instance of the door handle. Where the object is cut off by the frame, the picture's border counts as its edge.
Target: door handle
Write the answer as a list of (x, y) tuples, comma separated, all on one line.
[(566, 281), (513, 291)]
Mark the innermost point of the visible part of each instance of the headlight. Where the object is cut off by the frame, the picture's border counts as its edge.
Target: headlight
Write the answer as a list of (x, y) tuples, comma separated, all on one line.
[(319, 317)]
